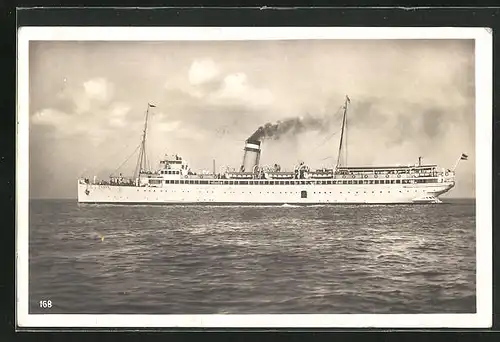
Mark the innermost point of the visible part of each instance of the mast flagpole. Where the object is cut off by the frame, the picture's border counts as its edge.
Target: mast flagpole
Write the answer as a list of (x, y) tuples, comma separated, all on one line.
[(142, 160), (347, 100), (462, 157)]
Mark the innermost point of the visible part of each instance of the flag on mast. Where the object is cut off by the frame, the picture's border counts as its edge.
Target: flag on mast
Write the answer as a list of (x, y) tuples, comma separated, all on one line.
[(464, 157), (151, 105)]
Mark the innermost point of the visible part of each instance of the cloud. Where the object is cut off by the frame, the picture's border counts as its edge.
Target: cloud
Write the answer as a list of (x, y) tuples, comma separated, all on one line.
[(168, 126), (236, 88), (50, 117), (91, 112), (202, 71), (118, 114), (206, 82), (98, 88)]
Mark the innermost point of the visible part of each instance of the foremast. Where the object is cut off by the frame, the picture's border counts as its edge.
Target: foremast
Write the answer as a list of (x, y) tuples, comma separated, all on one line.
[(142, 160), (342, 133)]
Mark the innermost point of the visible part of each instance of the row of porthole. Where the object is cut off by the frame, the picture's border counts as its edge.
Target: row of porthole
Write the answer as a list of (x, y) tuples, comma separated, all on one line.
[(388, 191), (170, 191)]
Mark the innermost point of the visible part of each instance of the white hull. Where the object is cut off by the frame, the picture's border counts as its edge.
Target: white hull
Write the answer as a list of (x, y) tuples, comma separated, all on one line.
[(263, 194)]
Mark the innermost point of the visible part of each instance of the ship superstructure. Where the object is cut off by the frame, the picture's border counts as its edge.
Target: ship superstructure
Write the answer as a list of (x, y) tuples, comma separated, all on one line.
[(175, 183)]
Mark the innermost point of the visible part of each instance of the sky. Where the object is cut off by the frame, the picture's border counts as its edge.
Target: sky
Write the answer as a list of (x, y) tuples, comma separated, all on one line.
[(409, 98)]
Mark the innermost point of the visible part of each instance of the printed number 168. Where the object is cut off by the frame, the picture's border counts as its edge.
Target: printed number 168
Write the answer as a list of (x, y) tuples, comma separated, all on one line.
[(46, 304)]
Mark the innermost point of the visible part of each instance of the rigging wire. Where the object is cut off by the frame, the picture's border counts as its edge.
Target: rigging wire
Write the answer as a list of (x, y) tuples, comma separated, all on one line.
[(126, 160), (334, 133), (106, 159)]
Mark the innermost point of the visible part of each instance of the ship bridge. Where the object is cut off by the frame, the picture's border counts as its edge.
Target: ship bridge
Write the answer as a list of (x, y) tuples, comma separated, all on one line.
[(173, 162)]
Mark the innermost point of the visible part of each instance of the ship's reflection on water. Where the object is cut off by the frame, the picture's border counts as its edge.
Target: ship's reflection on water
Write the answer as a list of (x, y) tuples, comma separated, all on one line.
[(260, 259)]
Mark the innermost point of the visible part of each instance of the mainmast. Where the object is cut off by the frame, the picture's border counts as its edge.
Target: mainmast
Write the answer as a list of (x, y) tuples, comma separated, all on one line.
[(344, 128), (142, 162)]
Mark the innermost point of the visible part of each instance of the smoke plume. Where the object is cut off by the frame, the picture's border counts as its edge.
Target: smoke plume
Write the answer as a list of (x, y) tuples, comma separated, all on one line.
[(291, 126)]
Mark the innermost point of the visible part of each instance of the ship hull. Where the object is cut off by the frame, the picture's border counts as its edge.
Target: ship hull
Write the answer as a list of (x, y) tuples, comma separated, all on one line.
[(263, 194)]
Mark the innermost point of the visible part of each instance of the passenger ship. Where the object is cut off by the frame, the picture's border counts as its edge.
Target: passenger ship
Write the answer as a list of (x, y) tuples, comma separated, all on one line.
[(175, 183)]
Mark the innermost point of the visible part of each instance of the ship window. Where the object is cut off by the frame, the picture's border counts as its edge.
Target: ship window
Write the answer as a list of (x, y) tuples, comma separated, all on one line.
[(244, 182), (271, 182), (266, 183), (287, 183), (376, 181), (176, 182), (203, 182), (344, 182), (349, 182), (398, 181), (392, 181), (182, 182), (371, 181)]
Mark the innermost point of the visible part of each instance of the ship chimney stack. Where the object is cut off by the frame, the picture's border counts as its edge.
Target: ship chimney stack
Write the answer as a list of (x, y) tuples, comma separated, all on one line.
[(251, 156)]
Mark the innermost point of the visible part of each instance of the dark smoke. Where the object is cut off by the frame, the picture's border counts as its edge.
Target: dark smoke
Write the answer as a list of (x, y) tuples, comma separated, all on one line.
[(291, 126)]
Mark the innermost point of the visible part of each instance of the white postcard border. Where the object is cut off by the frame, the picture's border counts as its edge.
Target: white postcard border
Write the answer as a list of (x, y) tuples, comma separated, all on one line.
[(484, 68)]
